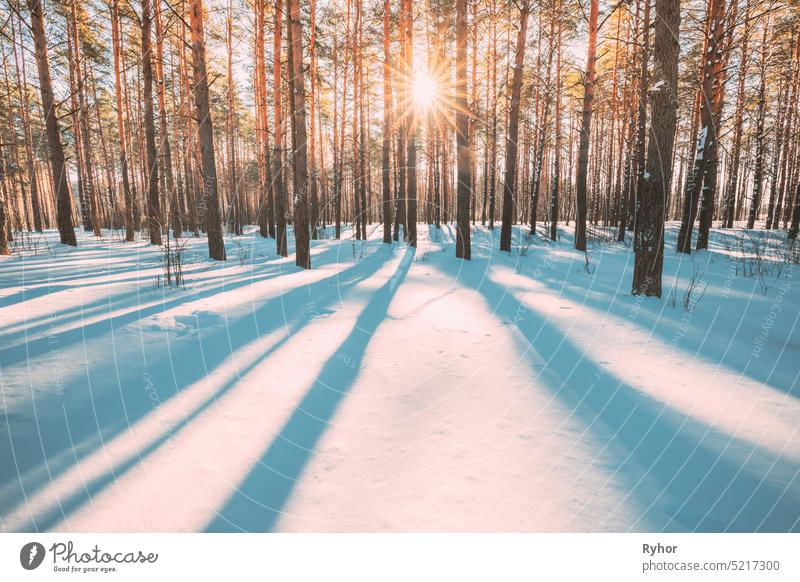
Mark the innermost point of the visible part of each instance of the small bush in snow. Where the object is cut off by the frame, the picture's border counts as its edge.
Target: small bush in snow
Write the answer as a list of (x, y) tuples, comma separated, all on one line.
[(242, 252), (695, 289), (757, 255), (29, 244), (172, 255)]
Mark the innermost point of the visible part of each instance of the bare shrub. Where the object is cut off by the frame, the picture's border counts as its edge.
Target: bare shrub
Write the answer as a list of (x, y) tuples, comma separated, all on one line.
[(759, 256), (29, 244), (172, 255), (695, 289), (587, 265), (242, 252)]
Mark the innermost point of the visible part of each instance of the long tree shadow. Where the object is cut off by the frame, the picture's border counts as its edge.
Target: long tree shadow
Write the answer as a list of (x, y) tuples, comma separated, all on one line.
[(21, 352), (59, 440), (709, 339), (34, 289), (681, 473), (259, 501), (23, 336), (145, 288)]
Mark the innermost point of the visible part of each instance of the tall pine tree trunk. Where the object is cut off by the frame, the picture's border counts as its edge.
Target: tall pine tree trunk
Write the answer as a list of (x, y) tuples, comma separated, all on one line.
[(277, 154), (641, 120), (411, 130), (709, 73), (22, 83), (83, 117), (235, 194), (312, 153), (262, 143), (5, 222), (544, 123), (121, 133), (171, 195), (153, 202), (626, 198), (729, 195), (761, 145), (66, 228), (386, 145), (210, 202), (556, 177), (403, 98), (493, 141), (655, 186), (718, 52), (510, 178), (297, 86), (362, 162), (586, 126), (463, 160)]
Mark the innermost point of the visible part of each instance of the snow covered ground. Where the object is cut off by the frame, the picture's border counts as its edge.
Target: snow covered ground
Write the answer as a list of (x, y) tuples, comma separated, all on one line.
[(392, 389)]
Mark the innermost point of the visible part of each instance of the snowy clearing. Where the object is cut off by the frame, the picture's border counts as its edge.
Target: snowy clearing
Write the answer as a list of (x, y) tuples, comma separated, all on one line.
[(398, 389)]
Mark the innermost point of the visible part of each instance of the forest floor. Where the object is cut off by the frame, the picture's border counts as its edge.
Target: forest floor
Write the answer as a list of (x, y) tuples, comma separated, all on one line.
[(399, 389)]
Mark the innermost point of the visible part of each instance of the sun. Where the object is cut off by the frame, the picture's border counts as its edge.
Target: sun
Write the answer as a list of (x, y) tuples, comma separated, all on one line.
[(425, 90)]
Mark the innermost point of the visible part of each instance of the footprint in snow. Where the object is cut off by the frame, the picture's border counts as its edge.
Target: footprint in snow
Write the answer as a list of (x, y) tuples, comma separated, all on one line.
[(182, 325)]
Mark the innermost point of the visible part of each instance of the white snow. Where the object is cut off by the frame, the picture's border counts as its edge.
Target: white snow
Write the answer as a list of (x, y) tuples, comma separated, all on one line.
[(392, 389)]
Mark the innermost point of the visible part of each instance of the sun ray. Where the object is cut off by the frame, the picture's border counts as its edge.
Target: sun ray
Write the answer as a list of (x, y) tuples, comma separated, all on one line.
[(426, 91)]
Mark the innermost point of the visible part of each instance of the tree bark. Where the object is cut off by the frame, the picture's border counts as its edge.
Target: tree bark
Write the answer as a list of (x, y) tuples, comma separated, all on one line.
[(544, 123), (493, 141), (641, 121), (277, 154), (411, 130), (556, 178), (586, 126), (729, 195), (66, 227), (171, 195), (655, 186), (400, 155), (463, 159), (5, 226), (210, 203), (510, 178), (154, 223), (85, 135), (709, 73), (387, 127), (758, 171), (262, 144), (301, 234), (719, 51), (312, 153), (22, 83), (795, 215), (235, 195)]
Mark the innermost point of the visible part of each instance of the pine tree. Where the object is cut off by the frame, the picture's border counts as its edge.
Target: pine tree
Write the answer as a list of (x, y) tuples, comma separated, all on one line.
[(386, 144), (509, 181), (586, 126), (154, 222), (277, 153), (463, 246), (121, 131), (210, 202), (297, 85), (655, 184), (56, 149)]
